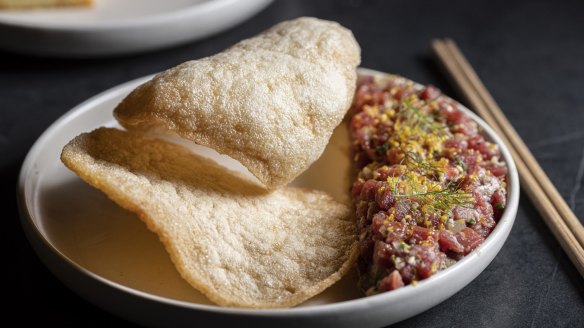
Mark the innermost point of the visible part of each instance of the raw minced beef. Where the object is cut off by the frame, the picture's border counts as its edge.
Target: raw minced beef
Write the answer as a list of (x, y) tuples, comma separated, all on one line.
[(429, 188)]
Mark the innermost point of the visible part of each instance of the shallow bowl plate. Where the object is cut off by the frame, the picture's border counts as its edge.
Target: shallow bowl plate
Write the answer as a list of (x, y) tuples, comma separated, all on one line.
[(113, 27), (109, 257)]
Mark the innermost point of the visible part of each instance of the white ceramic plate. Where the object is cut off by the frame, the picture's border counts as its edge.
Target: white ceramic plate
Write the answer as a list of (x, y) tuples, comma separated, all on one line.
[(112, 27), (108, 256)]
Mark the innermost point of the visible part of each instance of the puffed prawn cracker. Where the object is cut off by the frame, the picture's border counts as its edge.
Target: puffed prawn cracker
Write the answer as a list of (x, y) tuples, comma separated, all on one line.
[(237, 243), (271, 102)]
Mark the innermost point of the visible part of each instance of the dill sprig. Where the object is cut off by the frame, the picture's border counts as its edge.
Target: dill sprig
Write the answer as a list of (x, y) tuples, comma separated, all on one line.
[(416, 119), (442, 200), (437, 200), (423, 167)]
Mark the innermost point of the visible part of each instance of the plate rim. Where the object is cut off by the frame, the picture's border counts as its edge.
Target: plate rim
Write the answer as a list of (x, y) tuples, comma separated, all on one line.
[(501, 231), (138, 22)]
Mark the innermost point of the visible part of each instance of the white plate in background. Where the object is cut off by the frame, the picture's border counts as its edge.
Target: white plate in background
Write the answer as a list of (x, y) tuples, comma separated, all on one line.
[(108, 256), (112, 27)]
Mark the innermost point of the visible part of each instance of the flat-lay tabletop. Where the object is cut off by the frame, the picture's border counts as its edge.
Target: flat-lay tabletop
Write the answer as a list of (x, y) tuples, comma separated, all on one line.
[(529, 54)]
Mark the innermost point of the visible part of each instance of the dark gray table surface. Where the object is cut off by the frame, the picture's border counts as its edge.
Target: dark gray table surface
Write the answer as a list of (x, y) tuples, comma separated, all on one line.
[(530, 54)]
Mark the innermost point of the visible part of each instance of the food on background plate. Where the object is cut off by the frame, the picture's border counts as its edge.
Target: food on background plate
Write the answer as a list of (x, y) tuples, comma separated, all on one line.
[(429, 189), (230, 238), (34, 4), (271, 102)]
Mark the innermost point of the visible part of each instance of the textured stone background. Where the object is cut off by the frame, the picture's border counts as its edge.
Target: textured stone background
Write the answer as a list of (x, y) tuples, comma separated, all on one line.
[(530, 54)]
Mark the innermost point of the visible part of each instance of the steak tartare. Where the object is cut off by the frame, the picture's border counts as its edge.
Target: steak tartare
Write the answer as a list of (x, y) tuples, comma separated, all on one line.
[(429, 187)]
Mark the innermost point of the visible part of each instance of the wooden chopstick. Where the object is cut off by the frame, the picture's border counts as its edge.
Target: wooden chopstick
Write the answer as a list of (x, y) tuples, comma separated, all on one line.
[(556, 213)]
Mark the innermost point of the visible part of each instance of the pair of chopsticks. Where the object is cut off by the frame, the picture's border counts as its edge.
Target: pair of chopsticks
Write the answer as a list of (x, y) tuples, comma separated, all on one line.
[(558, 216)]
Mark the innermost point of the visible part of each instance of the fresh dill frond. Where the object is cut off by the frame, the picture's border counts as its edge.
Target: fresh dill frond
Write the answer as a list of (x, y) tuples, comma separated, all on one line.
[(416, 119), (442, 200), (425, 168)]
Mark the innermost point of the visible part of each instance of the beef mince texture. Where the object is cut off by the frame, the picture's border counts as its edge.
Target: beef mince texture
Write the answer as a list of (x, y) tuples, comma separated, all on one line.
[(429, 188)]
